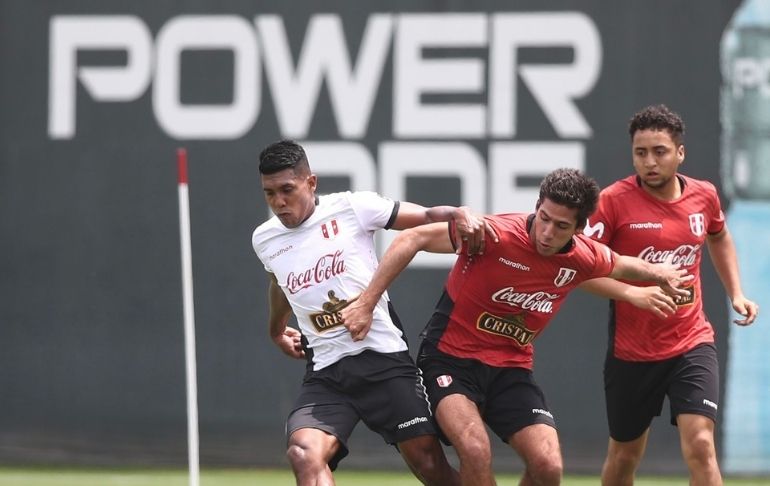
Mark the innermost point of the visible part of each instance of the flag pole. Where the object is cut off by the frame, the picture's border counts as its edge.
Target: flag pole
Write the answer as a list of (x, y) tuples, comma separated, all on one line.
[(189, 318)]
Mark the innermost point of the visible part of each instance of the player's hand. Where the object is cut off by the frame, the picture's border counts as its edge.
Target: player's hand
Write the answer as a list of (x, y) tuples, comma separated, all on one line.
[(357, 318), (672, 277), (653, 299), (746, 308), (471, 229), (290, 342)]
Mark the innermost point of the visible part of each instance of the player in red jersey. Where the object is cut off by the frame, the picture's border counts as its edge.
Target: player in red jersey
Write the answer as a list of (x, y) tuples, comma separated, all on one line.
[(477, 350), (658, 214)]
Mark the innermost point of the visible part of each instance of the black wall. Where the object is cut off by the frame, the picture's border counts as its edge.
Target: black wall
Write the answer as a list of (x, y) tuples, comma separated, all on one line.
[(91, 336)]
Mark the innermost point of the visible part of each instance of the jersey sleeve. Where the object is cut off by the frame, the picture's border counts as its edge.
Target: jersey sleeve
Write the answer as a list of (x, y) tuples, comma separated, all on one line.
[(600, 224), (716, 218), (604, 259), (372, 210), (255, 244)]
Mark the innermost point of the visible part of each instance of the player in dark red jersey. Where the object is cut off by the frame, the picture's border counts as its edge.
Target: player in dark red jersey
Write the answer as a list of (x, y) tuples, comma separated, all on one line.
[(477, 348), (658, 214)]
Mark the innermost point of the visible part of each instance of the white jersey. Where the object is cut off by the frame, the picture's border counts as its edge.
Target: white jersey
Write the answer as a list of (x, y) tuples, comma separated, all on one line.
[(324, 264)]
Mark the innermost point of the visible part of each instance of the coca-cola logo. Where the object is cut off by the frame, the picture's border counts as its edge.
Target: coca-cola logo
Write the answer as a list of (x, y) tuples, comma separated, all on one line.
[(533, 301), (328, 266), (684, 255)]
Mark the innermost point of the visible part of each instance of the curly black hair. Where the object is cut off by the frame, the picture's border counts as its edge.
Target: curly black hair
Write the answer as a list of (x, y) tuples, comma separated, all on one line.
[(282, 155), (571, 188), (658, 117)]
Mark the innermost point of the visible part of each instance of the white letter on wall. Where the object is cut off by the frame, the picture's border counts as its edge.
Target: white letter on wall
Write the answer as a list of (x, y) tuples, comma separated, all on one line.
[(400, 160), (324, 55), (509, 160), (191, 32), (554, 86), (416, 76), (69, 34)]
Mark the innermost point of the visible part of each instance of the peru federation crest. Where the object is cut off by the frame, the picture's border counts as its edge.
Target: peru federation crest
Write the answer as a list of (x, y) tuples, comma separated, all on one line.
[(697, 224), (330, 229), (444, 381), (564, 277)]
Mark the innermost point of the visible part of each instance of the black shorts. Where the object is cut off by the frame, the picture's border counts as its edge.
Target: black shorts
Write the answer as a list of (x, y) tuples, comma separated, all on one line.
[(508, 398), (634, 391), (385, 391)]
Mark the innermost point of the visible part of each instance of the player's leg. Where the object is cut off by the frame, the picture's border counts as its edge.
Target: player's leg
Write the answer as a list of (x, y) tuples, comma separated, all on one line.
[(516, 410), (623, 457), (634, 394), (318, 429), (309, 452), (455, 389), (696, 433), (538, 446), (396, 406), (694, 395), (427, 461), (463, 426)]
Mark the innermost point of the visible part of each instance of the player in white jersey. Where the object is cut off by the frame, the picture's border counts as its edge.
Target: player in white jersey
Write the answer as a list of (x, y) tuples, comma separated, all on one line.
[(319, 253)]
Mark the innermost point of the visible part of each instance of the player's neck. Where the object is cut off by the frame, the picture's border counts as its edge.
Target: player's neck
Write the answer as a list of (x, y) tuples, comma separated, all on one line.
[(670, 191)]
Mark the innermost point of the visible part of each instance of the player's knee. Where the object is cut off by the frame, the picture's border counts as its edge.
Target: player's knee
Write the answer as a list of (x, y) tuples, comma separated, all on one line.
[(623, 458), (475, 449), (546, 470), (430, 468), (302, 458), (428, 461), (700, 449)]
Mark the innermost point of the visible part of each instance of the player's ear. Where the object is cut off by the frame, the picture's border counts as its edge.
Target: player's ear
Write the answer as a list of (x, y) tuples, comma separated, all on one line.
[(312, 182), (680, 152)]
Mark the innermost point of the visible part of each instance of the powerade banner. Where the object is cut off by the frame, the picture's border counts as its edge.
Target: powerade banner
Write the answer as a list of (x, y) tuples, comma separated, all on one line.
[(437, 103), (745, 109)]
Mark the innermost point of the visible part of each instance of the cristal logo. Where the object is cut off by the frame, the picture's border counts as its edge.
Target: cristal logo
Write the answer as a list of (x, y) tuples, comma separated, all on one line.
[(684, 255), (535, 301), (328, 266)]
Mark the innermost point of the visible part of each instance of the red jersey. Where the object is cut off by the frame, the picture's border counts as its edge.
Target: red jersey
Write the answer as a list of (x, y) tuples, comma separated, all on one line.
[(632, 222), (500, 301)]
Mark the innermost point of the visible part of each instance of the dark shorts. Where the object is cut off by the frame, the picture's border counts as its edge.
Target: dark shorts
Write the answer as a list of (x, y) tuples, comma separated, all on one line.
[(634, 391), (385, 391), (508, 398)]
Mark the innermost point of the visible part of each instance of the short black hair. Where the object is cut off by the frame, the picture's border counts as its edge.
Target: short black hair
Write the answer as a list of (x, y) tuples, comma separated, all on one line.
[(282, 155), (658, 117), (571, 188)]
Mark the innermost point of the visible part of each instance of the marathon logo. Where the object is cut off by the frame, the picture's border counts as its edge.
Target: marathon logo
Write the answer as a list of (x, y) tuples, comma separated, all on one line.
[(711, 404), (688, 299), (414, 421), (648, 225), (511, 328), (543, 412)]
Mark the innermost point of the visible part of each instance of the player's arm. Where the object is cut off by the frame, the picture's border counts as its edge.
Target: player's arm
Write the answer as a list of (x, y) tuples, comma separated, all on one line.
[(433, 238), (723, 255), (471, 227), (670, 277), (286, 338), (651, 298)]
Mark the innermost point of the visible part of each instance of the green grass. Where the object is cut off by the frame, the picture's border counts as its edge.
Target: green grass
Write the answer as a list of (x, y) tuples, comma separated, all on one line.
[(264, 477)]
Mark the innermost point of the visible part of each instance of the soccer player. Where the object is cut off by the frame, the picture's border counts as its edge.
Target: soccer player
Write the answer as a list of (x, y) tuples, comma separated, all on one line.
[(319, 253), (477, 353), (658, 214)]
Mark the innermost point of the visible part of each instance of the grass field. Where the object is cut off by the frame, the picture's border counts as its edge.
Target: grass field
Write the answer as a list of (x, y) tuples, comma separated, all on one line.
[(262, 477)]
